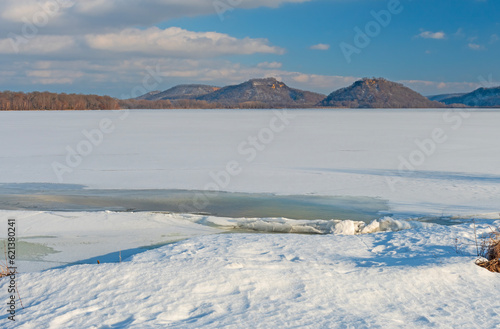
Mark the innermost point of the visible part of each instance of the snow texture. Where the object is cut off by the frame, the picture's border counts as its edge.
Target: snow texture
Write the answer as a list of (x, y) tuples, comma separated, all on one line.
[(397, 271), (411, 279)]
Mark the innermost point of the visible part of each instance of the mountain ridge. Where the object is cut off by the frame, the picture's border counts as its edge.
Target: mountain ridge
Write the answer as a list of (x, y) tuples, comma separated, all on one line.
[(267, 90), (184, 91), (259, 94), (441, 97), (378, 93), (481, 97)]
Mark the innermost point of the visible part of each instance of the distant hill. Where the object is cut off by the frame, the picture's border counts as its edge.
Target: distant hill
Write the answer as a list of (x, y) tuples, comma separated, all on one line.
[(442, 97), (378, 93), (149, 96), (270, 92), (482, 97), (266, 93), (179, 92)]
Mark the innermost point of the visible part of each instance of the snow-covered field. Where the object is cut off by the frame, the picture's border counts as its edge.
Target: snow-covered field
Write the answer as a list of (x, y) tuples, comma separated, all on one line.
[(404, 269), (407, 279)]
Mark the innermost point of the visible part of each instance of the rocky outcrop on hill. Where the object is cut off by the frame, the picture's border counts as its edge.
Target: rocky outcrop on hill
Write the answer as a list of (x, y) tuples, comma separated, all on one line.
[(263, 91), (378, 93)]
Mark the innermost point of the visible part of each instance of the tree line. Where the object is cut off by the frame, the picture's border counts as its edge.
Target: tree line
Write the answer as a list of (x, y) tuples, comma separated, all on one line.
[(46, 101), (139, 104), (165, 104), (19, 101)]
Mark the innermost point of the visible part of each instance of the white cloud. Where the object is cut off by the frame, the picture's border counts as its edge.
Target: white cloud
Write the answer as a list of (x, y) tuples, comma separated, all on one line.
[(178, 42), (325, 83), (432, 35), (320, 46), (436, 87), (98, 7), (40, 45), (226, 73), (37, 13), (177, 8), (494, 38), (109, 14), (50, 77), (272, 65), (475, 46), (16, 11), (121, 77), (460, 33)]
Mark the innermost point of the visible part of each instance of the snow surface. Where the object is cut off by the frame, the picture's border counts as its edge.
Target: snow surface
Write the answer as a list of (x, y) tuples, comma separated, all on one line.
[(51, 239), (406, 279), (209, 271), (90, 236), (324, 152)]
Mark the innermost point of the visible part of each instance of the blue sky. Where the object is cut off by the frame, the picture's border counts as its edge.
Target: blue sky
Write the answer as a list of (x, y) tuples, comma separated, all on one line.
[(125, 47)]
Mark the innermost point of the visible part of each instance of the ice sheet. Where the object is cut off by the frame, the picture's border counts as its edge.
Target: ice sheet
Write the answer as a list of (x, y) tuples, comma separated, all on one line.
[(329, 152)]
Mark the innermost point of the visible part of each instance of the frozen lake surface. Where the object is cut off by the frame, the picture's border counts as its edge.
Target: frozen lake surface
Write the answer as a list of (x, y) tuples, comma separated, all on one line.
[(435, 162)]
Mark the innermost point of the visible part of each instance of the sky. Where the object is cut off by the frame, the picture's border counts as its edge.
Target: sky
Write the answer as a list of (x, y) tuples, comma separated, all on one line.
[(125, 48)]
